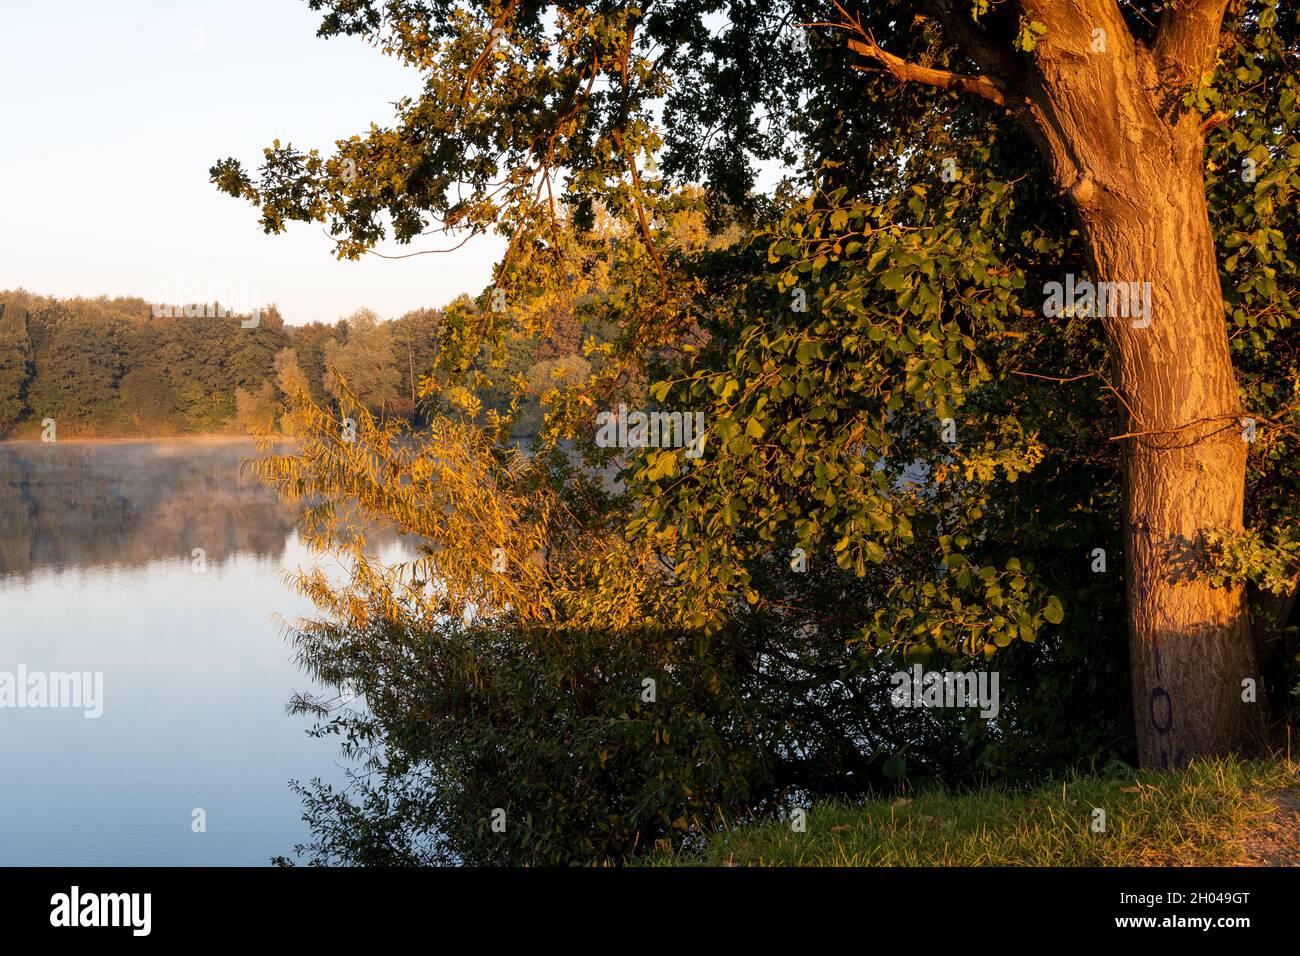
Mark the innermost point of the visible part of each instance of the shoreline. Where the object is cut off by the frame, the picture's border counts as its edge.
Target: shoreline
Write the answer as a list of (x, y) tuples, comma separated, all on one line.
[(215, 438)]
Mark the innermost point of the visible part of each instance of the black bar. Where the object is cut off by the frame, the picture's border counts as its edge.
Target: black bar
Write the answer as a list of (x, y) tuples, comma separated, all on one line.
[(620, 908)]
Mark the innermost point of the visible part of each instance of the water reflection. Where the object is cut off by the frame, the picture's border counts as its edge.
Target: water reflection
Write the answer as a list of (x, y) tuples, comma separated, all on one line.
[(96, 575), (121, 504)]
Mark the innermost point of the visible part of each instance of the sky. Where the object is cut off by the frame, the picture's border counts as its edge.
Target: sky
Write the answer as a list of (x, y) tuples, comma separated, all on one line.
[(112, 112)]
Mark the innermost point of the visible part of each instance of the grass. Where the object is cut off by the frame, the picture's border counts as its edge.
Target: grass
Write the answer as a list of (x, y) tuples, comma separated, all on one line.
[(1195, 817)]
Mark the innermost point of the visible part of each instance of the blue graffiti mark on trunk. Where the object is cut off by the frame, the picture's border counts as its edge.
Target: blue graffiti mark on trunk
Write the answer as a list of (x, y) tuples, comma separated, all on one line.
[(1160, 703), (1161, 726)]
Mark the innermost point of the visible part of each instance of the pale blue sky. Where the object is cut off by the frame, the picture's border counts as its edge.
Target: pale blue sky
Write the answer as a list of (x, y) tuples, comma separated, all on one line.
[(111, 114)]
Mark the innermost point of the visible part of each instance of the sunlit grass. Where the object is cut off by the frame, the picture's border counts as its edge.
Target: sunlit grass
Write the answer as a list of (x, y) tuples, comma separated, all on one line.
[(1195, 817)]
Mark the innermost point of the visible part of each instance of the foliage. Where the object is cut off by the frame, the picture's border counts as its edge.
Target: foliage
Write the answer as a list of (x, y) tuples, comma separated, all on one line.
[(14, 360), (867, 345), (257, 412), (364, 362)]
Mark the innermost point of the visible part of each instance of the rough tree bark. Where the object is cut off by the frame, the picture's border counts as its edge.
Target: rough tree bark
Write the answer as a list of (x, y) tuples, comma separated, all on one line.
[(1106, 112), (1131, 162)]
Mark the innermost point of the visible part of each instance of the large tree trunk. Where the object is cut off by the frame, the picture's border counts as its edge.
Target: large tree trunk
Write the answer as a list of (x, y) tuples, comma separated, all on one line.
[(1109, 116), (1191, 645), (1134, 177)]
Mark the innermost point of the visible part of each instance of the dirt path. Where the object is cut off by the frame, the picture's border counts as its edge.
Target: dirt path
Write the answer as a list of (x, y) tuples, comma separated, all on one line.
[(1277, 843)]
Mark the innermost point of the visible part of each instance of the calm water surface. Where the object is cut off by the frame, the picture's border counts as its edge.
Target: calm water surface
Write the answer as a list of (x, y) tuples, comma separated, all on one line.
[(97, 574)]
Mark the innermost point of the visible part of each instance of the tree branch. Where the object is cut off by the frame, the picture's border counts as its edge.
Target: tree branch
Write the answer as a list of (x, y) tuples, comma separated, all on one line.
[(906, 72), (994, 59), (641, 220), (1188, 39), (497, 29)]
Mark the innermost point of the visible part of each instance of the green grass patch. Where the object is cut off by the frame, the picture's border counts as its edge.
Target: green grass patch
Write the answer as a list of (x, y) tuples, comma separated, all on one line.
[(1193, 817)]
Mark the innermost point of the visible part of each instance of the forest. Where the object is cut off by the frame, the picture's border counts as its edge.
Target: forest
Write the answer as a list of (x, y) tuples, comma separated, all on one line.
[(124, 367)]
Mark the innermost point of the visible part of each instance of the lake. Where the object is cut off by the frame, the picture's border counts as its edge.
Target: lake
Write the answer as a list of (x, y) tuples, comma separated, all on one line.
[(181, 651)]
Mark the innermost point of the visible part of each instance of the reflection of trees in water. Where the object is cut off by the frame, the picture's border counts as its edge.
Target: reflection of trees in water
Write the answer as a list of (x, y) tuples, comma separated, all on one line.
[(127, 504)]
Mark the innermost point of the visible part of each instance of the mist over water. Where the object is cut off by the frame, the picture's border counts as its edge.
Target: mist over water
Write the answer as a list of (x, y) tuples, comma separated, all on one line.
[(97, 574)]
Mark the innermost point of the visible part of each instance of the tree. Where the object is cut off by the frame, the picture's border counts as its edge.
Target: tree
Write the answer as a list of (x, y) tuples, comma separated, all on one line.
[(256, 413), (194, 351), (148, 402), (1110, 116), (288, 375), (956, 161), (250, 352), (78, 360), (415, 349), (14, 359), (309, 343), (364, 364)]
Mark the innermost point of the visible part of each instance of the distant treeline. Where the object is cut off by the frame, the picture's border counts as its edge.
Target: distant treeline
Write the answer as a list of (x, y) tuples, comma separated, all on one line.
[(111, 367)]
